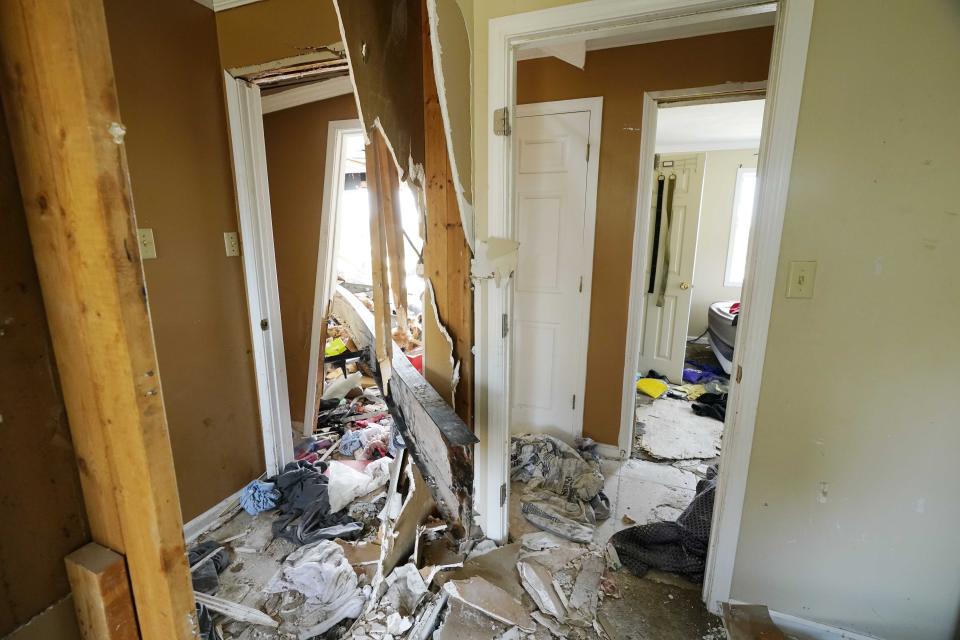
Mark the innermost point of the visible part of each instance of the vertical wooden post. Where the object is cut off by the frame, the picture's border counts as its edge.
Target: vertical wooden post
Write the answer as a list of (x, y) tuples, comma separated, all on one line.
[(446, 254), (101, 594), (379, 163), (61, 107), (393, 225)]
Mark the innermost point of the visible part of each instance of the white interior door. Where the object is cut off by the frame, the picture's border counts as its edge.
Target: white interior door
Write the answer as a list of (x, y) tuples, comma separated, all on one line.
[(555, 208), (664, 338)]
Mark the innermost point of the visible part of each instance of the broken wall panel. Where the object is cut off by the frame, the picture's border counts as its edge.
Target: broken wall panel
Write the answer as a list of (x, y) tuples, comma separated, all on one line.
[(382, 39), (448, 303), (450, 71), (441, 443)]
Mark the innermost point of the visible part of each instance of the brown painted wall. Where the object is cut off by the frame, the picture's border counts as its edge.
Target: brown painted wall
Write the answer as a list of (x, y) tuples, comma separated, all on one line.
[(273, 29), (41, 508), (622, 76), (171, 97), (296, 141)]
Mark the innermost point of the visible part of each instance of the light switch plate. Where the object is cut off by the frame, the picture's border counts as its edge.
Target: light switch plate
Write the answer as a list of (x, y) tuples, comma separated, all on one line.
[(148, 248), (231, 243), (801, 278)]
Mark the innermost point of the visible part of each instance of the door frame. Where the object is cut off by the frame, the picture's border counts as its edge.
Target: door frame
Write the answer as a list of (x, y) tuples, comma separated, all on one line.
[(493, 304), (245, 118), (594, 106), (653, 101), (337, 130)]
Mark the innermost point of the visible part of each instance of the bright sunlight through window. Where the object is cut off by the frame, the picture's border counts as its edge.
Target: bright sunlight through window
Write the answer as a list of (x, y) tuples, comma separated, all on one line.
[(740, 228)]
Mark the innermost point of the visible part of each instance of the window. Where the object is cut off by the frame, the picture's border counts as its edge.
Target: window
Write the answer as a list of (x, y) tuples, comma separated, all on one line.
[(743, 197)]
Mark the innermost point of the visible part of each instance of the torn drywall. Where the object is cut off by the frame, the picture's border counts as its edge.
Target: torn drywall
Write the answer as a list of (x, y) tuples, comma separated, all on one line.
[(450, 43), (383, 44), (442, 371)]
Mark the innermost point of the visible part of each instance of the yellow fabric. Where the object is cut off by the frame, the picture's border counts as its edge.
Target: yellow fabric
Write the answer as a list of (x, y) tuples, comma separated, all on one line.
[(693, 391), (652, 387), (334, 347)]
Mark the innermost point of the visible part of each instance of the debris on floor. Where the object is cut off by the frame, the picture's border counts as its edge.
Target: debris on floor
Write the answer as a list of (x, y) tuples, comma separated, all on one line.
[(678, 547), (668, 430), (563, 491)]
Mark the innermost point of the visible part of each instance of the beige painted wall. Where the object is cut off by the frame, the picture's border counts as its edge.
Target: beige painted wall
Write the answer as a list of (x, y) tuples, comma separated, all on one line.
[(170, 85), (274, 29), (741, 56), (859, 386), (296, 141), (716, 214), (859, 382)]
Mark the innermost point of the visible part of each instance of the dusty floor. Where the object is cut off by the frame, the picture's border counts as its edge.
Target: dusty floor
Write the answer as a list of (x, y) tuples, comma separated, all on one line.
[(659, 606)]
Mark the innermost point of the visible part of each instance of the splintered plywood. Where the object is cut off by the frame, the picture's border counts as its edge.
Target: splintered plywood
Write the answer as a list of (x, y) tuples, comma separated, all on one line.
[(382, 39), (672, 431), (441, 444)]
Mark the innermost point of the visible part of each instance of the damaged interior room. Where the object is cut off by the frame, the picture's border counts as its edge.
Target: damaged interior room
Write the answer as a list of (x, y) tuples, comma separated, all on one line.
[(479, 319)]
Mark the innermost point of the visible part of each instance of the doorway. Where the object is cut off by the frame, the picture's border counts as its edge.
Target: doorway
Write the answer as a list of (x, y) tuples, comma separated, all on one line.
[(511, 39)]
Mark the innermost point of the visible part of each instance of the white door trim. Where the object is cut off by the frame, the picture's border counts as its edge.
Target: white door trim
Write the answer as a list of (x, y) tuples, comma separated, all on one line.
[(326, 251), (652, 102), (260, 269), (595, 107), (313, 92), (788, 60)]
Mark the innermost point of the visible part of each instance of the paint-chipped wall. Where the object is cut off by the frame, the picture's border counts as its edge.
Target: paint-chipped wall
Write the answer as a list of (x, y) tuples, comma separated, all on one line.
[(741, 56), (42, 517), (271, 30), (296, 142), (859, 384), (170, 86)]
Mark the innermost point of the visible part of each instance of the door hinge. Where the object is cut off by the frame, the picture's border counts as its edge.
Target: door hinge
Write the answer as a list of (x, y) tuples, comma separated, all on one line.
[(573, 403), (501, 121), (264, 325), (581, 284), (503, 326), (503, 494), (588, 152), (739, 374)]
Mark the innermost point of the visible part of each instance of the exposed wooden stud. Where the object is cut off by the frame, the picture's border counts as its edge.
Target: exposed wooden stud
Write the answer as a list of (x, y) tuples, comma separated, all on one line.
[(61, 107), (321, 378), (101, 594), (446, 254), (378, 163), (393, 225)]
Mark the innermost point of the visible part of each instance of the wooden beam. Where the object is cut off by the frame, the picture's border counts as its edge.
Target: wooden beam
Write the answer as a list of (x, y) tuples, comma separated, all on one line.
[(61, 108), (393, 226), (441, 443), (321, 372), (446, 254), (379, 163), (101, 594)]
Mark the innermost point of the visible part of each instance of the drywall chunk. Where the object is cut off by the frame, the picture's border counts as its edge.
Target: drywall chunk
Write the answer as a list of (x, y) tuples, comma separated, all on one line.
[(491, 600), (538, 582), (496, 259)]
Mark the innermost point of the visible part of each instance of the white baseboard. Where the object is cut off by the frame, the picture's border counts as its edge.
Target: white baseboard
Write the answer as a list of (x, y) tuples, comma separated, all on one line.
[(804, 629), (609, 451), (193, 529)]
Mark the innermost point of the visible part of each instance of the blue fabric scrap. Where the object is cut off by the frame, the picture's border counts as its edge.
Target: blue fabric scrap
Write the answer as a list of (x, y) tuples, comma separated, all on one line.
[(259, 496)]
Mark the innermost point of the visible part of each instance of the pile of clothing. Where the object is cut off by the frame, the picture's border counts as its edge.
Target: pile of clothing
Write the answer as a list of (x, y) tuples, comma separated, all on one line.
[(564, 486), (679, 547)]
